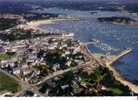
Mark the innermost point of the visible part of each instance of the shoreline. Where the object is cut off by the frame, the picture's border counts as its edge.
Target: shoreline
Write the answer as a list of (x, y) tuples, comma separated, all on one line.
[(117, 76), (122, 80), (35, 24)]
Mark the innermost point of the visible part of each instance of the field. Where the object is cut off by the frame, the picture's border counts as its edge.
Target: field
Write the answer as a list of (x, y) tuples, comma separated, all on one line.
[(7, 55), (8, 84), (7, 23)]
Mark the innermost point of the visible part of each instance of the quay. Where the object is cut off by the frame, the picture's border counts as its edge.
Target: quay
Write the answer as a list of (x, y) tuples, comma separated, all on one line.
[(117, 57), (88, 43), (108, 64), (119, 78), (117, 75)]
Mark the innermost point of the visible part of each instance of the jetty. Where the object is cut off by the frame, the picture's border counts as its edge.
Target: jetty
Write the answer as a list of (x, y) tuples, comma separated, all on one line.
[(108, 64), (117, 57), (116, 74), (119, 78), (89, 43)]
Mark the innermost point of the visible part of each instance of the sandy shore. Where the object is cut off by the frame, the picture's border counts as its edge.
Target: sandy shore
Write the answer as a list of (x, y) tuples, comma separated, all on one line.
[(37, 23), (118, 77)]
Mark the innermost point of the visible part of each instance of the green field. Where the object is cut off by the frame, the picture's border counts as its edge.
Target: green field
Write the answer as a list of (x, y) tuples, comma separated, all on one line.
[(7, 23), (7, 55), (115, 90), (8, 84)]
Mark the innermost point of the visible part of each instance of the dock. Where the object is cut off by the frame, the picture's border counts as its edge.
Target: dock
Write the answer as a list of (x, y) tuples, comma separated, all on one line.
[(116, 74), (88, 43), (117, 57), (125, 82)]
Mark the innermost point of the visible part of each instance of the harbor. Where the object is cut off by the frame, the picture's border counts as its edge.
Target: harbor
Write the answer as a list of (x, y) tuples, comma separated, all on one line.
[(108, 61), (113, 41)]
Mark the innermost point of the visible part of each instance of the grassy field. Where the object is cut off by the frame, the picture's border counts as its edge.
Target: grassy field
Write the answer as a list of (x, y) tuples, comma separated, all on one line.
[(8, 84), (7, 23), (6, 55), (115, 90)]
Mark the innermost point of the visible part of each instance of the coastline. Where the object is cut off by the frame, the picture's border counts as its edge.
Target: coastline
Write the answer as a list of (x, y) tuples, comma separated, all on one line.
[(116, 74), (35, 24), (119, 78)]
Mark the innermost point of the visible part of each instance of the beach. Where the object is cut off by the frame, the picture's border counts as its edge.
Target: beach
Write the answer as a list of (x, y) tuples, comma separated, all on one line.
[(37, 23), (133, 87)]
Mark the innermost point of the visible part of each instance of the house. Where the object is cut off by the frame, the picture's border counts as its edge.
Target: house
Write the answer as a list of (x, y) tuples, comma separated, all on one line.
[(56, 67), (16, 71), (65, 86), (68, 63)]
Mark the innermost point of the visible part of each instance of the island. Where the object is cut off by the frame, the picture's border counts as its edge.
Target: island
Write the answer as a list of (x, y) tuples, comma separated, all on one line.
[(118, 20)]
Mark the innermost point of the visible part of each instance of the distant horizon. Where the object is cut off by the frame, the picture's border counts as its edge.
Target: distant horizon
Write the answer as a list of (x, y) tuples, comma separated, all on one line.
[(118, 1), (76, 0)]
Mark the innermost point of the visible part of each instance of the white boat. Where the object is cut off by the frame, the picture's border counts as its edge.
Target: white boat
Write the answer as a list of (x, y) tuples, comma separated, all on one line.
[(68, 34)]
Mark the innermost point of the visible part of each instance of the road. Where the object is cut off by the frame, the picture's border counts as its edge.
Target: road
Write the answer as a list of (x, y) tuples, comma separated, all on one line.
[(11, 76), (89, 54), (21, 83), (60, 73), (90, 63), (34, 87), (24, 85)]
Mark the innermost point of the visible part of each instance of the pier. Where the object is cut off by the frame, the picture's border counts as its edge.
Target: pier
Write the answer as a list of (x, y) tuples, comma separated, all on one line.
[(88, 43), (119, 78), (117, 57), (117, 75)]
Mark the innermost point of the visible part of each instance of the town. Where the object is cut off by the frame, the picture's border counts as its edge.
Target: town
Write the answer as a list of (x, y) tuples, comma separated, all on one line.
[(53, 64)]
